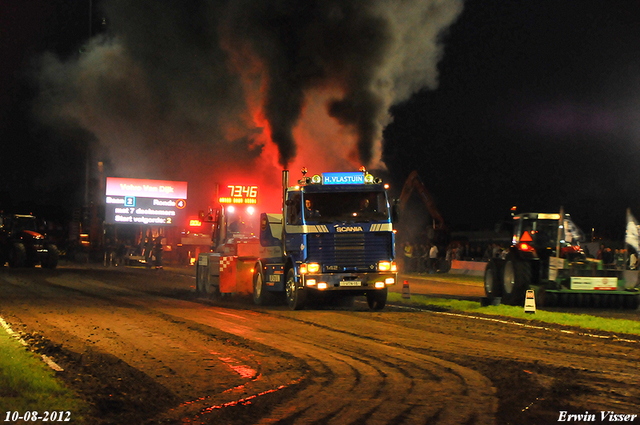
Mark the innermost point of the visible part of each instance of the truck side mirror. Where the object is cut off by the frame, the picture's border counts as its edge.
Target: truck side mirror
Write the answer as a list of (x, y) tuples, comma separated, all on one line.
[(394, 211)]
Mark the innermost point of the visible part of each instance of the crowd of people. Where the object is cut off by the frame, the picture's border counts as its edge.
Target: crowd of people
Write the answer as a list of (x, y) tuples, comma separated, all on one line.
[(150, 249), (429, 258), (619, 259)]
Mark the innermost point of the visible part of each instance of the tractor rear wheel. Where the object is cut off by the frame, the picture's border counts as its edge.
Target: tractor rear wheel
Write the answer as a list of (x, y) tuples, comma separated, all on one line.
[(53, 255), (516, 279), (492, 284), (18, 255)]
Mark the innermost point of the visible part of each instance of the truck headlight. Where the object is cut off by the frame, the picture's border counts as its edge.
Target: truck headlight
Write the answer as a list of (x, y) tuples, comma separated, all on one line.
[(309, 268), (387, 266)]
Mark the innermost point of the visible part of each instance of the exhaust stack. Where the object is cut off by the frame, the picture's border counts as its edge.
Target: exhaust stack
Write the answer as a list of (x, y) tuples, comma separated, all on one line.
[(285, 185)]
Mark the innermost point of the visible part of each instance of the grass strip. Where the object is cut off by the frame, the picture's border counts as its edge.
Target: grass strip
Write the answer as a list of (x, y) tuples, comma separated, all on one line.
[(28, 385), (446, 277), (584, 321)]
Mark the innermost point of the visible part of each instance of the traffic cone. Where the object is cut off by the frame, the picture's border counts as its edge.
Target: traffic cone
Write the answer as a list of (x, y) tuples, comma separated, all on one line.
[(405, 290)]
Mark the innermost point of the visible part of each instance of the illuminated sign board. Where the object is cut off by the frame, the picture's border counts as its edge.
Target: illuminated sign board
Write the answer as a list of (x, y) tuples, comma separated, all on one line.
[(141, 201), (239, 194), (343, 178)]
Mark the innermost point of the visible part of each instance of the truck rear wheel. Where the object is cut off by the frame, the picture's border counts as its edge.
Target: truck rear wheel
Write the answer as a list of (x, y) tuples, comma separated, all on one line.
[(516, 279), (377, 299), (261, 295), (296, 298)]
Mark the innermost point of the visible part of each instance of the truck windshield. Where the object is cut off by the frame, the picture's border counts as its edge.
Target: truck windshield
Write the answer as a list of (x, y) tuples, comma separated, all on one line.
[(243, 225), (346, 207)]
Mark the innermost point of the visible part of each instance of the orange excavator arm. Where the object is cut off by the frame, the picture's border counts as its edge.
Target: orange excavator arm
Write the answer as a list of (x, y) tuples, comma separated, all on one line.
[(412, 183)]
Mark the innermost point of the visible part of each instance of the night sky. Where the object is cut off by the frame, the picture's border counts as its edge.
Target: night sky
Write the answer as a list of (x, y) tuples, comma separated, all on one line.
[(537, 105)]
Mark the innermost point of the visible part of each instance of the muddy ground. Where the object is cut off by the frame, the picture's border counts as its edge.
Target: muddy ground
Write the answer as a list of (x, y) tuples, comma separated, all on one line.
[(142, 348)]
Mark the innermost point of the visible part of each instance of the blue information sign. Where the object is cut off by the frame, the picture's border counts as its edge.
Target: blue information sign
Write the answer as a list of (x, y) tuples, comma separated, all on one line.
[(354, 177)]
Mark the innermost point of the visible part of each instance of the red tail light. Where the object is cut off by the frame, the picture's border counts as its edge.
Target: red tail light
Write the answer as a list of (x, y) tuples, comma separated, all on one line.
[(525, 247)]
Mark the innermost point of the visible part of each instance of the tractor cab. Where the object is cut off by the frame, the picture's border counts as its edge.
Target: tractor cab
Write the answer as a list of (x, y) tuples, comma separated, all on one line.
[(540, 235)]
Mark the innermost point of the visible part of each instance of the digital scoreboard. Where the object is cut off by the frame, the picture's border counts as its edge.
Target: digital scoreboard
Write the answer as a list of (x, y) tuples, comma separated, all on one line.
[(139, 201), (238, 194)]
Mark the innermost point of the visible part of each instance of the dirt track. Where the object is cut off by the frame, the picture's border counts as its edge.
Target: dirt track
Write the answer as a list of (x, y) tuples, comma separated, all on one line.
[(142, 349)]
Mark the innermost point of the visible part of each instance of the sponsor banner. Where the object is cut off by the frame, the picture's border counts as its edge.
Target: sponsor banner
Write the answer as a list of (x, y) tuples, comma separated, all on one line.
[(594, 283), (145, 188), (144, 211), (343, 178)]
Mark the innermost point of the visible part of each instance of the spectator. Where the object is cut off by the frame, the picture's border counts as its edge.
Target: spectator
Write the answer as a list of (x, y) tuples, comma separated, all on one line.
[(433, 258), (633, 261), (408, 257), (607, 257), (157, 252)]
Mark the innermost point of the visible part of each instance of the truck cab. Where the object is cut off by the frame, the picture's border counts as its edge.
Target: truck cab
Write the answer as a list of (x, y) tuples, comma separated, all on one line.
[(337, 238)]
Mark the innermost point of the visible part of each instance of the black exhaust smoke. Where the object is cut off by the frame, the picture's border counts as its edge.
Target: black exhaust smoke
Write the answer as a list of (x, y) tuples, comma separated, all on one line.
[(194, 72)]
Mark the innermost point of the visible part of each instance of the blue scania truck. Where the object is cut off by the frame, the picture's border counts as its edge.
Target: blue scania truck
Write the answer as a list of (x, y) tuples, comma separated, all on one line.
[(333, 239)]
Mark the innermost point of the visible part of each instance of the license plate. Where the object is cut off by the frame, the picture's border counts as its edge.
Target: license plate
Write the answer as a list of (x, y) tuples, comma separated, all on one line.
[(350, 283)]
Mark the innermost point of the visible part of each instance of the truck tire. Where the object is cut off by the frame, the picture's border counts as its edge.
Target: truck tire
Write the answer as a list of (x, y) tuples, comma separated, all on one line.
[(377, 299), (261, 295), (296, 297), (18, 255), (516, 279), (53, 256), (492, 283)]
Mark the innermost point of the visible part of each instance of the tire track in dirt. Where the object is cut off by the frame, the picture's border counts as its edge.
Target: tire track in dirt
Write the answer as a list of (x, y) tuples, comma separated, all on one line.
[(349, 379), (367, 380)]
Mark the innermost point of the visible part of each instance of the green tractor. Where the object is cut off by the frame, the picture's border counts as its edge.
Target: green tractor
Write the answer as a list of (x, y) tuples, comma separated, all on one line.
[(546, 256)]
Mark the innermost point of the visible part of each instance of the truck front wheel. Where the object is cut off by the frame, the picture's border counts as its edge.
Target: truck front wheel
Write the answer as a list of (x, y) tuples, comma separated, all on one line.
[(377, 299), (296, 298)]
